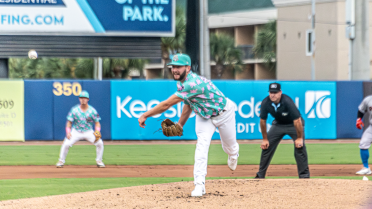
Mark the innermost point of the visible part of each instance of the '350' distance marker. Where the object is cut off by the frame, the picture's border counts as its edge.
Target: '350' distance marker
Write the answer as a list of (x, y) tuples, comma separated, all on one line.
[(66, 88)]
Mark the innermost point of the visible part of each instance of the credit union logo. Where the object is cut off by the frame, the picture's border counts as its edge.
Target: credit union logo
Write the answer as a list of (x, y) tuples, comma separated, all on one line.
[(318, 104)]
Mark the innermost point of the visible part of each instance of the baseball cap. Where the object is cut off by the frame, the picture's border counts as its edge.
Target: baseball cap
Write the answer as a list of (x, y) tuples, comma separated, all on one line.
[(180, 60), (274, 87), (84, 94)]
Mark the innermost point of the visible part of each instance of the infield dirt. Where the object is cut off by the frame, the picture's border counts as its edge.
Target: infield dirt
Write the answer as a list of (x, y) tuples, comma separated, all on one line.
[(241, 193)]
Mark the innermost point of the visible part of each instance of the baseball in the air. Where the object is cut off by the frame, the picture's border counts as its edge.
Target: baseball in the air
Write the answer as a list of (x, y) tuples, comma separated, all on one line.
[(32, 54)]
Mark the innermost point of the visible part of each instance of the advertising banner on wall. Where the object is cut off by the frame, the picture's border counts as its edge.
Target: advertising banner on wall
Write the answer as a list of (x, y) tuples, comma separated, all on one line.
[(12, 111), (88, 17), (129, 99), (315, 100)]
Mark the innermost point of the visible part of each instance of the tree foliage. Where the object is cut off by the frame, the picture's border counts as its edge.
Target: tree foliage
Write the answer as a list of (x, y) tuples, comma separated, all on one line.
[(72, 68), (173, 45), (224, 53), (42, 68), (265, 47)]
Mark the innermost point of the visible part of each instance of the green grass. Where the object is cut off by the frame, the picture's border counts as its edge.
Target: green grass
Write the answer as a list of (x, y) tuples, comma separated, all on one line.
[(173, 154), (147, 155), (27, 188)]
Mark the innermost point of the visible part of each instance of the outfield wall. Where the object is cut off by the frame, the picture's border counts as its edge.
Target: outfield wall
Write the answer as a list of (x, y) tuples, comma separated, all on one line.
[(48, 102), (329, 108), (349, 96)]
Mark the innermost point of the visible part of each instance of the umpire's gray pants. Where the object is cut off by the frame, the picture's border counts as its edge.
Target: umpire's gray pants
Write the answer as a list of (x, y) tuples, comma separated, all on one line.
[(275, 135)]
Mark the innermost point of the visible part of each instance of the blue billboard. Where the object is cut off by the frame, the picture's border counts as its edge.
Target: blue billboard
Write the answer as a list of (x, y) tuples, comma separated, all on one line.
[(88, 17), (133, 15), (129, 99)]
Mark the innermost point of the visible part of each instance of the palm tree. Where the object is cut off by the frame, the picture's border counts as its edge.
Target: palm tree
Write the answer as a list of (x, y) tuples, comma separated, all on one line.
[(111, 68), (115, 68), (266, 44), (57, 67), (19, 68), (72, 68), (224, 53), (84, 68), (174, 44), (137, 64), (42, 68)]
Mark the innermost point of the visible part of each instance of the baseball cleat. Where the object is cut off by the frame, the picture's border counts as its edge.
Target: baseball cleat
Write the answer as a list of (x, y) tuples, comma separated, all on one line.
[(257, 177), (199, 190), (232, 162), (364, 171), (59, 164), (100, 164)]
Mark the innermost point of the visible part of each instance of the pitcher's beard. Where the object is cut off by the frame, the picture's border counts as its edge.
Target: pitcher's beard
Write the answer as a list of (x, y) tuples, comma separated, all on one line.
[(182, 76)]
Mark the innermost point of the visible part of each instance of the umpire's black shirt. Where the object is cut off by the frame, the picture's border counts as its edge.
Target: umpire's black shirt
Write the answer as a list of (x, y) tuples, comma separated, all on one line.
[(284, 112)]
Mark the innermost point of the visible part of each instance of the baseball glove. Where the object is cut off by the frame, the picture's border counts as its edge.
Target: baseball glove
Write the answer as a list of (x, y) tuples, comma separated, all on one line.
[(170, 128), (97, 134)]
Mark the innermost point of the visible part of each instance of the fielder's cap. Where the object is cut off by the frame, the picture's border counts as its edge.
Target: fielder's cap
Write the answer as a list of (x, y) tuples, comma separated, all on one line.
[(180, 60), (274, 87), (84, 94)]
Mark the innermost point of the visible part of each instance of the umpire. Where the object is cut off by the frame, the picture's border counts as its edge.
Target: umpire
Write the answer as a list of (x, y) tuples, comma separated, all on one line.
[(288, 121)]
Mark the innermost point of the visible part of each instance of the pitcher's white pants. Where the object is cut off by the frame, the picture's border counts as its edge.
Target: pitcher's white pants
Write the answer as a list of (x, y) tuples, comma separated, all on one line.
[(77, 136), (225, 122)]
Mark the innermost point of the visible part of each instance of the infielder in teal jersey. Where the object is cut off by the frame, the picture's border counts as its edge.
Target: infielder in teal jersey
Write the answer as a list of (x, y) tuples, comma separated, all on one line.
[(80, 121), (213, 110)]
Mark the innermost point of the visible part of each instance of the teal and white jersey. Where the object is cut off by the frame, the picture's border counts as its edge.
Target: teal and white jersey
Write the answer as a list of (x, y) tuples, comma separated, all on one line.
[(202, 95), (83, 121)]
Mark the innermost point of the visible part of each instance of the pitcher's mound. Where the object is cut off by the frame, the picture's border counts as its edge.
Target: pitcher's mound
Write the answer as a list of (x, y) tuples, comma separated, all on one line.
[(241, 193)]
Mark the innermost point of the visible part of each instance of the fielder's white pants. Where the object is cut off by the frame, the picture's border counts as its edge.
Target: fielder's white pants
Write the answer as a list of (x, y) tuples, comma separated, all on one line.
[(205, 128), (77, 136), (366, 140)]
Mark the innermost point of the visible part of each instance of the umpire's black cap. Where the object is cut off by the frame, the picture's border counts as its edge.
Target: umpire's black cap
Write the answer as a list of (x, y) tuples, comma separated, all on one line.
[(274, 87)]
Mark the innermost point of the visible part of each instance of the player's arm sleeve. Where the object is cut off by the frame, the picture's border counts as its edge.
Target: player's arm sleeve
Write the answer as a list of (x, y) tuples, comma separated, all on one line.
[(70, 116), (263, 111), (187, 92), (178, 93), (364, 105), (360, 114), (96, 116)]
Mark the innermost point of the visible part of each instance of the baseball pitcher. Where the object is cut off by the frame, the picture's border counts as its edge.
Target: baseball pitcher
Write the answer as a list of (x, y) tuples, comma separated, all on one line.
[(79, 126), (213, 110), (365, 142)]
